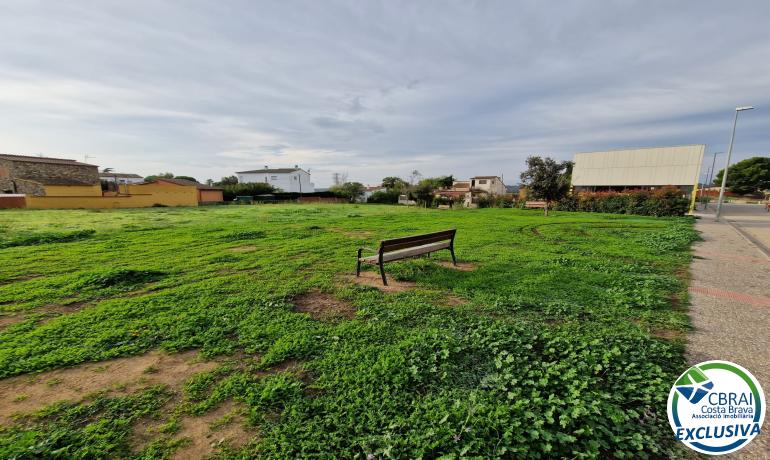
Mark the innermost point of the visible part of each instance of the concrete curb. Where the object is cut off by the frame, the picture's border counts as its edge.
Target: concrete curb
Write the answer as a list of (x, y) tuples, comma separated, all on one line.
[(764, 250)]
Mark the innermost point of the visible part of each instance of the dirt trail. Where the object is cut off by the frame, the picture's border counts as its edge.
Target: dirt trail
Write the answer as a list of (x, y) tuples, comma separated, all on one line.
[(29, 393)]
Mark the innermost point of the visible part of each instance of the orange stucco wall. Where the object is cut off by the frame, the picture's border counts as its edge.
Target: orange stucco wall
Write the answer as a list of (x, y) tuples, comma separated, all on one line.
[(210, 196), (131, 196), (73, 190)]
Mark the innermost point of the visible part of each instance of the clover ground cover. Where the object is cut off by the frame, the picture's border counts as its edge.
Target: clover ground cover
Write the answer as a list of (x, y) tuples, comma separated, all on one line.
[(562, 341)]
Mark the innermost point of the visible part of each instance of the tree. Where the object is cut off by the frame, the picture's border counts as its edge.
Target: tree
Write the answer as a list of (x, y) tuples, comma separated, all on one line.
[(444, 181), (350, 190), (414, 177), (190, 178), (394, 183), (384, 196), (425, 191), (546, 179), (749, 176), (339, 178), (165, 175), (229, 180)]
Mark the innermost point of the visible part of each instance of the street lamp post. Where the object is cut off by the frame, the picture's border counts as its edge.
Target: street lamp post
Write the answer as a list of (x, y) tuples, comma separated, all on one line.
[(727, 163), (710, 175)]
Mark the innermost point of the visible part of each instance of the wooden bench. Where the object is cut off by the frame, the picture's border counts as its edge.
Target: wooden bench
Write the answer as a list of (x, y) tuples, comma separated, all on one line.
[(406, 247), (535, 204)]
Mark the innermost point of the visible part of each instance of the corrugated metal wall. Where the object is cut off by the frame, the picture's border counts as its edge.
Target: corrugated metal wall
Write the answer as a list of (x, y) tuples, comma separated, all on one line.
[(639, 167)]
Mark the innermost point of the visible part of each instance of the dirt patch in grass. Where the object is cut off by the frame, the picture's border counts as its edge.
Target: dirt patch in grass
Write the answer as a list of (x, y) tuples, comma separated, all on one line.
[(461, 266), (48, 311), (29, 393), (20, 279), (247, 248), (223, 425), (454, 301), (10, 318), (373, 279), (320, 305), (360, 234), (668, 334)]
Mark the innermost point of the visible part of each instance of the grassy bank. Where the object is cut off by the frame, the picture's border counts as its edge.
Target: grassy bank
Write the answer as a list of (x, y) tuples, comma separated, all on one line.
[(562, 341)]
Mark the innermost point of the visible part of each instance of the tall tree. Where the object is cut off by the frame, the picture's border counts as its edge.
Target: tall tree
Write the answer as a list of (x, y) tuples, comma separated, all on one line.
[(228, 180), (394, 183), (424, 191), (751, 175), (545, 179), (165, 175), (444, 181), (350, 190), (414, 177)]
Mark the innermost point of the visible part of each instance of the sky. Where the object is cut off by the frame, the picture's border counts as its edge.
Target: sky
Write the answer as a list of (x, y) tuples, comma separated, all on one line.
[(375, 89)]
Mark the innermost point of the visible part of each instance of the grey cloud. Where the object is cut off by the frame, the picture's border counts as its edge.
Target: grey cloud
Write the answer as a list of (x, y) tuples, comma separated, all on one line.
[(376, 89)]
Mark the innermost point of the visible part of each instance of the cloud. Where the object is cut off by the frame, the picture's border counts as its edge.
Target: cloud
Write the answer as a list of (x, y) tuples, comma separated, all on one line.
[(376, 89)]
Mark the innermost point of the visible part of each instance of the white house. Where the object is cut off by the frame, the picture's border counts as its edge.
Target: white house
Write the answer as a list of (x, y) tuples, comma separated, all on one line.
[(370, 190), (121, 178), (291, 180), (493, 185)]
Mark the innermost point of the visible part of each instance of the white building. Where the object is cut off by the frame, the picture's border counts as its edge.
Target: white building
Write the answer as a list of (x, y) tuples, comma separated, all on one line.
[(121, 178), (493, 185), (291, 180), (371, 190), (638, 168)]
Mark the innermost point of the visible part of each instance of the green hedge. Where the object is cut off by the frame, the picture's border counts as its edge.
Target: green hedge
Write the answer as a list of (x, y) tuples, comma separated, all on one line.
[(663, 202)]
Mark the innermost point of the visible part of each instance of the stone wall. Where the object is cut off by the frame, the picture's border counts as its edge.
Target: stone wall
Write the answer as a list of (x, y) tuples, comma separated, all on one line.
[(21, 186), (49, 173)]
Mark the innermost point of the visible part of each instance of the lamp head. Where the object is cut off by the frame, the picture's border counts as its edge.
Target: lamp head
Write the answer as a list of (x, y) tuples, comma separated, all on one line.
[(742, 108)]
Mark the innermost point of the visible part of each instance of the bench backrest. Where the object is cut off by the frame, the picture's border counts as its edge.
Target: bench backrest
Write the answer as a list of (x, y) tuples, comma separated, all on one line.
[(417, 240), (535, 204)]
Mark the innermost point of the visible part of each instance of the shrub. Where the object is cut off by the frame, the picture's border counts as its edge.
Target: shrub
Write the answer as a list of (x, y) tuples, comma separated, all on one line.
[(244, 235), (659, 203), (121, 278), (385, 197)]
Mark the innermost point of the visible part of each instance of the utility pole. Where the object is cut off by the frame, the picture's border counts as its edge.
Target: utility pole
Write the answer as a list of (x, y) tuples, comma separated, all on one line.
[(727, 163)]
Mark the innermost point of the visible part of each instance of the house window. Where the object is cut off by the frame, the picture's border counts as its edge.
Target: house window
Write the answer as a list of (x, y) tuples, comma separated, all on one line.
[(482, 181), (273, 177)]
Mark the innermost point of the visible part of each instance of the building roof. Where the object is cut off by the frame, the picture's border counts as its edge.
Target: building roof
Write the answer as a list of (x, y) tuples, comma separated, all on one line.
[(186, 183), (485, 177), (121, 175), (271, 171), (32, 159)]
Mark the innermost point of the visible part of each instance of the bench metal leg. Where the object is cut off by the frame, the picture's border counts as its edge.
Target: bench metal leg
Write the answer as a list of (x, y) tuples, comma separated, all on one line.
[(382, 273), (358, 266), (452, 250)]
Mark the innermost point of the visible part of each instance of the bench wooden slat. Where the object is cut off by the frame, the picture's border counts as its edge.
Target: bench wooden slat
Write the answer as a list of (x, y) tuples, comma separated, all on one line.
[(408, 246), (388, 246), (417, 239), (406, 253)]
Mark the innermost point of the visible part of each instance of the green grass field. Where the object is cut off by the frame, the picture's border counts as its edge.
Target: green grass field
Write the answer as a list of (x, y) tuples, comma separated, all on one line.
[(562, 342)]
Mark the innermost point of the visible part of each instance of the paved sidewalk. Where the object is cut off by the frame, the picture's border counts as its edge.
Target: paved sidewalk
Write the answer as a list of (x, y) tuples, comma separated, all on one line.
[(730, 302)]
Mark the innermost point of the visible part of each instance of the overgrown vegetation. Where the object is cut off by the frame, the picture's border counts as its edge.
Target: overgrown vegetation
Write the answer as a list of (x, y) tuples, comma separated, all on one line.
[(662, 202), (552, 350), (32, 239)]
